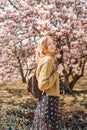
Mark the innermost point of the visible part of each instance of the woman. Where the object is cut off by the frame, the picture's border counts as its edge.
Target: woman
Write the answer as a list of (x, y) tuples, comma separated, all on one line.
[(47, 113)]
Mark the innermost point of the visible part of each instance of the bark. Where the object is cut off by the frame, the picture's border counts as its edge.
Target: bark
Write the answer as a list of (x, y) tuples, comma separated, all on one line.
[(21, 70), (76, 77)]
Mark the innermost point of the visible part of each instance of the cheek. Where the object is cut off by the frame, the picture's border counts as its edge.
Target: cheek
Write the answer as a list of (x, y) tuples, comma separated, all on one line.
[(49, 48)]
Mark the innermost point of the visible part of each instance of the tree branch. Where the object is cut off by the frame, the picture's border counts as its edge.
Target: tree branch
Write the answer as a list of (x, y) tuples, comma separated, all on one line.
[(36, 29), (77, 77), (13, 5)]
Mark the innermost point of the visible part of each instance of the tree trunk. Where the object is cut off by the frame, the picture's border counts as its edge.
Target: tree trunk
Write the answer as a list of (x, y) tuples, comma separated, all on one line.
[(21, 71), (76, 76)]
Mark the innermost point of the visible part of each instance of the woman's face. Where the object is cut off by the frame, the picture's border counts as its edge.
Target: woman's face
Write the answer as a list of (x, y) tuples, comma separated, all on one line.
[(51, 47)]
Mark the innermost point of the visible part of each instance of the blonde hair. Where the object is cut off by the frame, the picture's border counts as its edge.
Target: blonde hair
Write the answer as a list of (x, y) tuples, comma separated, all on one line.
[(42, 47)]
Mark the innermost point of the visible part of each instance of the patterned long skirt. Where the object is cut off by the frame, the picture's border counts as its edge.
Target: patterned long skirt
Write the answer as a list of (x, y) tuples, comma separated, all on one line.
[(47, 115)]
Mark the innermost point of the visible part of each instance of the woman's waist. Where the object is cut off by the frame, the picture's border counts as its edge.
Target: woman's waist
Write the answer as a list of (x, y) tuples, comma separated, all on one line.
[(52, 92)]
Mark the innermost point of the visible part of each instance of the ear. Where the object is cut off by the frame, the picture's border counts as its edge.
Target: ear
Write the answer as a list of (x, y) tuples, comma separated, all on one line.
[(44, 51)]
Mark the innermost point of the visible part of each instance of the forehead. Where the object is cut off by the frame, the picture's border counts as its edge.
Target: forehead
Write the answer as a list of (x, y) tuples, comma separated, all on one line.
[(50, 41)]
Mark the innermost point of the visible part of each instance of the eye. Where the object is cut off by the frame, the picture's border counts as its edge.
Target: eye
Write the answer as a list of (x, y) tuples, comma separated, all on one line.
[(49, 44)]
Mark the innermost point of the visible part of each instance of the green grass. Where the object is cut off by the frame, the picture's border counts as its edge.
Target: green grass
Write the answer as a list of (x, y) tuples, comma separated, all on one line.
[(17, 105), (14, 94)]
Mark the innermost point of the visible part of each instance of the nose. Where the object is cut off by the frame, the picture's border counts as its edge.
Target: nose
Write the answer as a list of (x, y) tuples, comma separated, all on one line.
[(54, 46)]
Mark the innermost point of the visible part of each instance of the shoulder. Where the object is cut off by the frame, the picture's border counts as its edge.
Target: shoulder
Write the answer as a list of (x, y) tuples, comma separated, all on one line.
[(47, 60)]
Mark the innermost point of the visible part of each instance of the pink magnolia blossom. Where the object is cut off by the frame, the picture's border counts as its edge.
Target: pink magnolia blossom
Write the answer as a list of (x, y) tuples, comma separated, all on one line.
[(9, 9), (65, 48), (59, 34), (65, 20), (74, 44), (72, 60), (15, 15), (74, 53)]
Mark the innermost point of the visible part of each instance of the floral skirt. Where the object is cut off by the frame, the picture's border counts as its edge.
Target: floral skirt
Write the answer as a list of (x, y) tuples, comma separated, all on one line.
[(47, 115)]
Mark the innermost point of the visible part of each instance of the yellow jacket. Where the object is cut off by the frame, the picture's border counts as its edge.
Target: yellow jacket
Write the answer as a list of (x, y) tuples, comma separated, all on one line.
[(48, 77)]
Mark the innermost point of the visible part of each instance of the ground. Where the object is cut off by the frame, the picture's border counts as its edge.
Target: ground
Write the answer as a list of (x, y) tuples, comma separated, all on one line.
[(17, 107)]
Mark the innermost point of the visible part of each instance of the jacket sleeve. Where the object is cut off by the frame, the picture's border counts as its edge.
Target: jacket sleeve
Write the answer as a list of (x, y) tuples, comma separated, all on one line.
[(47, 77)]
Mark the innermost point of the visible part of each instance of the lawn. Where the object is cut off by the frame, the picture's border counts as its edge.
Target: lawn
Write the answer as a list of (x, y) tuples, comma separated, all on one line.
[(17, 107)]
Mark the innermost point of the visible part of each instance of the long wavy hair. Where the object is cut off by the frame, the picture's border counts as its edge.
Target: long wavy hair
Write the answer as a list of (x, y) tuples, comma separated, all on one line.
[(42, 48)]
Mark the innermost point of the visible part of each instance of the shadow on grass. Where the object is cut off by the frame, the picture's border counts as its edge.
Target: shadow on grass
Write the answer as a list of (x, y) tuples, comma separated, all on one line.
[(14, 92), (17, 96), (78, 92), (83, 96), (78, 98)]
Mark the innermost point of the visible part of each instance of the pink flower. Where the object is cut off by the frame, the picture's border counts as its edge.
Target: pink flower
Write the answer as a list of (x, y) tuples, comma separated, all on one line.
[(15, 16), (65, 48), (59, 34)]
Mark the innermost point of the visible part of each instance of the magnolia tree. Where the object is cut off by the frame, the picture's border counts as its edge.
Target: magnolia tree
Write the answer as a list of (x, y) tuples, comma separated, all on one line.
[(23, 22)]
